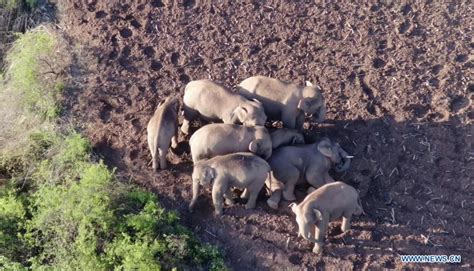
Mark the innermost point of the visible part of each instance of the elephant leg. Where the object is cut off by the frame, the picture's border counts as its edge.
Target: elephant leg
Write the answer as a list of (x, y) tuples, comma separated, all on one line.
[(275, 187), (154, 157), (292, 175), (162, 154), (315, 179), (155, 162), (274, 199), (229, 197), (289, 192), (320, 233), (195, 195), (252, 201), (253, 190), (316, 231), (288, 117), (346, 222), (188, 116)]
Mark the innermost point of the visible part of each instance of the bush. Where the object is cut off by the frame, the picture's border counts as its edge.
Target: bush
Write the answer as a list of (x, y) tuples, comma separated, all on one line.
[(154, 235), (17, 4), (78, 217), (9, 4), (27, 59), (12, 220), (61, 210), (68, 219), (31, 87)]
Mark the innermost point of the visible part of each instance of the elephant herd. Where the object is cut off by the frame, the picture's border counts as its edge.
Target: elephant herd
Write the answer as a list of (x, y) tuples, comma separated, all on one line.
[(238, 151)]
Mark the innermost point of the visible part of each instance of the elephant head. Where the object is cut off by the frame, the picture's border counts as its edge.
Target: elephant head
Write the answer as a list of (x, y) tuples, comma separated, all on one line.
[(313, 102), (339, 157), (306, 219), (250, 113), (203, 175), (261, 147)]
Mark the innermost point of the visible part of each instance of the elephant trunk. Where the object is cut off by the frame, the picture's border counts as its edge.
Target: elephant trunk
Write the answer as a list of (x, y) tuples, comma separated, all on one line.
[(345, 161), (268, 154), (322, 113), (195, 194)]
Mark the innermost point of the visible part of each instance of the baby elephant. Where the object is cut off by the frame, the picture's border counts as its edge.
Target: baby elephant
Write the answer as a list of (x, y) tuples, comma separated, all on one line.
[(285, 101), (162, 129), (283, 137), (241, 170), (220, 138), (213, 102), (292, 165), (327, 203)]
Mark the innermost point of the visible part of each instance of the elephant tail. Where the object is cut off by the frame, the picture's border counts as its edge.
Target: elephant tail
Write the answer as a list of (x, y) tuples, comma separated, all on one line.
[(268, 181), (359, 208)]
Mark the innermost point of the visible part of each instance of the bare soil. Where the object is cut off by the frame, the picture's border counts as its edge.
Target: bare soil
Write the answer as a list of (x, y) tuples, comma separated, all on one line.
[(399, 89)]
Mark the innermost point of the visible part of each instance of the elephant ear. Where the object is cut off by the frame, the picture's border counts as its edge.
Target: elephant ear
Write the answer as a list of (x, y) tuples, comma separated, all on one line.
[(254, 146), (293, 207), (297, 140), (294, 141), (239, 114), (305, 104), (318, 214), (325, 148), (209, 174), (161, 102)]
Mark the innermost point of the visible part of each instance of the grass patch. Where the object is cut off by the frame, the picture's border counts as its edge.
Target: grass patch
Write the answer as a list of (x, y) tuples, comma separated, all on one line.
[(31, 86), (28, 59), (9, 4), (18, 4), (62, 210)]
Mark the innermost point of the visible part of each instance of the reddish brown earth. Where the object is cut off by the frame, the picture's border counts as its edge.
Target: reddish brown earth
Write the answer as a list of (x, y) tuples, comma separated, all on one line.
[(398, 83)]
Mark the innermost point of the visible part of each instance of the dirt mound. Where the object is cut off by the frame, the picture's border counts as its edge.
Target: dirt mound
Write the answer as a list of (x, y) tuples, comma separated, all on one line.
[(399, 95)]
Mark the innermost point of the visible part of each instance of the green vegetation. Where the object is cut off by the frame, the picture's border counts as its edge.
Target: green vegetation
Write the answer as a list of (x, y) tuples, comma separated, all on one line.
[(13, 4), (62, 210), (27, 62), (9, 4)]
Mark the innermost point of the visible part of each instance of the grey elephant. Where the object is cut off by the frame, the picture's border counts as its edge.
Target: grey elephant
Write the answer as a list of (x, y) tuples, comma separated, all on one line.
[(284, 136), (162, 130), (240, 170), (213, 102), (220, 138), (283, 101), (292, 165), (327, 203)]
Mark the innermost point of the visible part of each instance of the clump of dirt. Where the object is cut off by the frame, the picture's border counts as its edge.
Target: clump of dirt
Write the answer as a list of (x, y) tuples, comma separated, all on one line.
[(399, 96)]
